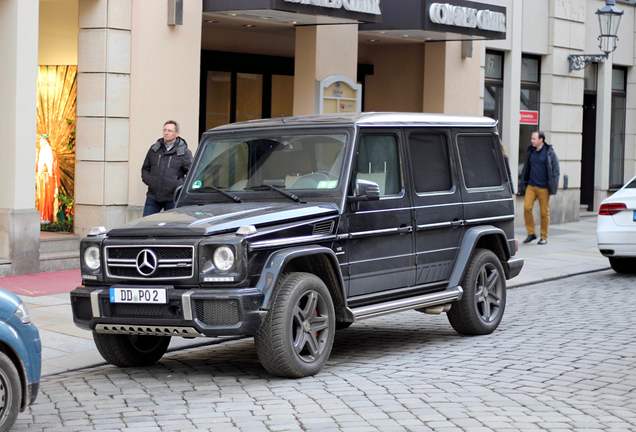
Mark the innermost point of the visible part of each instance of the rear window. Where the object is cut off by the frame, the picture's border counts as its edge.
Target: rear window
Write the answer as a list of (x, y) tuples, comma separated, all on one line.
[(480, 160), (631, 185), (431, 162)]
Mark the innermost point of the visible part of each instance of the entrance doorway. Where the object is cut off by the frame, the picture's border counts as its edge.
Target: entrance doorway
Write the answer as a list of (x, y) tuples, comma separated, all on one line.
[(588, 150)]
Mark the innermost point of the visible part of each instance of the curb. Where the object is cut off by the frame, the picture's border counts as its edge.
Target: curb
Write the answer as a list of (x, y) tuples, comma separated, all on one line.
[(556, 278), (171, 350)]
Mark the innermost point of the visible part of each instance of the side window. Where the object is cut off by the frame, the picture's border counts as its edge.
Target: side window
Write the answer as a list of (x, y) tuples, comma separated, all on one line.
[(379, 162), (431, 162), (480, 161)]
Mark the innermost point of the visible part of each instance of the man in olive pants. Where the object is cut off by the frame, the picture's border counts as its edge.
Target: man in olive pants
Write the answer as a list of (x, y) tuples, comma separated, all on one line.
[(539, 180)]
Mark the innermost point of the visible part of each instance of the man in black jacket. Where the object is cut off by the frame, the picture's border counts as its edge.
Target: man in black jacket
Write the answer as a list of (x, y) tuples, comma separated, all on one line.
[(165, 168), (539, 180)]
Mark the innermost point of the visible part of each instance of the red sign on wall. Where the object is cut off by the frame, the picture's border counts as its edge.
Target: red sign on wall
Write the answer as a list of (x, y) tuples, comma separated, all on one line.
[(529, 118)]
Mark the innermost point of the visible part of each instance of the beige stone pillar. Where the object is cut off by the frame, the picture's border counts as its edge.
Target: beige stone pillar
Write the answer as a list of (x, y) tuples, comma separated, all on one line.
[(562, 101), (19, 221), (603, 131), (452, 84), (165, 83), (321, 51), (103, 111)]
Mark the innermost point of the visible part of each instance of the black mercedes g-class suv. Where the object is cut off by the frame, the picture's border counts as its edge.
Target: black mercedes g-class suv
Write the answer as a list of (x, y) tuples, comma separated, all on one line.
[(289, 229)]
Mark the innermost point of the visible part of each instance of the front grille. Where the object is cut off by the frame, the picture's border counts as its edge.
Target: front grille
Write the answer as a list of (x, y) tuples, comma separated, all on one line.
[(217, 312), (82, 308), (172, 262)]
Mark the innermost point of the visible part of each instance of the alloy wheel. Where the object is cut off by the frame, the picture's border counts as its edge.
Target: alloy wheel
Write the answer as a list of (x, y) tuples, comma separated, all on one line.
[(310, 326), (488, 293)]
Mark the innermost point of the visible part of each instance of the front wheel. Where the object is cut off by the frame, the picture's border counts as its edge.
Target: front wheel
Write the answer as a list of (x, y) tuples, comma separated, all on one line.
[(482, 306), (623, 265), (10, 393), (131, 350), (296, 336)]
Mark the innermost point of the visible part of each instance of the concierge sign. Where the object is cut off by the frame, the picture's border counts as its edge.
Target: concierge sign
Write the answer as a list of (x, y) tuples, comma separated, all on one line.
[(466, 17)]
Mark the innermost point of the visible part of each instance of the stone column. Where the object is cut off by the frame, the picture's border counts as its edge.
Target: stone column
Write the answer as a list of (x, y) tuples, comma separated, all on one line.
[(512, 90), (321, 51), (165, 84), (452, 83), (103, 110), (562, 101), (630, 126), (19, 221), (603, 131)]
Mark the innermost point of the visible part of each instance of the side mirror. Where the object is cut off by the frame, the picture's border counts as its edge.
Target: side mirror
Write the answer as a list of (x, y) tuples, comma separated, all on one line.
[(366, 191), (177, 194)]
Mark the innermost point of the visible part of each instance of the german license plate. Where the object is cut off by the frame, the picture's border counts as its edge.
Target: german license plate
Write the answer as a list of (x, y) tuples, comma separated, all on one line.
[(634, 215), (138, 295)]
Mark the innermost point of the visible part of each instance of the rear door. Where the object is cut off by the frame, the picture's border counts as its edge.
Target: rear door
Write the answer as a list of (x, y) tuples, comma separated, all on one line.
[(380, 244), (437, 203), (486, 189)]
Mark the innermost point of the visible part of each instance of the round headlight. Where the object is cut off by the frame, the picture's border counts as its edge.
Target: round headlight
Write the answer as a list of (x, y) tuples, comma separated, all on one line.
[(223, 258), (91, 258)]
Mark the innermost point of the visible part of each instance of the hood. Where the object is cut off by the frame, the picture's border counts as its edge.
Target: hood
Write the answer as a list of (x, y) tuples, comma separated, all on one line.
[(213, 219)]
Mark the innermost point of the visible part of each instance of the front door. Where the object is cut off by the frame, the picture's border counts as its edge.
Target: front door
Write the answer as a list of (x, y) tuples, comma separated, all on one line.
[(438, 206), (588, 150), (380, 245)]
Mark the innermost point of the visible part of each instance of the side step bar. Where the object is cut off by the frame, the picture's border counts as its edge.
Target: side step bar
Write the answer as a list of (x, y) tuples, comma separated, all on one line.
[(423, 301)]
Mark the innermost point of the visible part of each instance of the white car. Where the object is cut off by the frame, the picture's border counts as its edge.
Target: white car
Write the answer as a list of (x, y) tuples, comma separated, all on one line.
[(616, 229)]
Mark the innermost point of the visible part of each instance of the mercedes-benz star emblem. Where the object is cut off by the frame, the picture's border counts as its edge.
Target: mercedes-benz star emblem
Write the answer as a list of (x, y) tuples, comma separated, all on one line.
[(146, 262)]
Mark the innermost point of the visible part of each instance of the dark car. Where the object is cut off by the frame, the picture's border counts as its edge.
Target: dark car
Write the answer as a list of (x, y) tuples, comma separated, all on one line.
[(289, 229)]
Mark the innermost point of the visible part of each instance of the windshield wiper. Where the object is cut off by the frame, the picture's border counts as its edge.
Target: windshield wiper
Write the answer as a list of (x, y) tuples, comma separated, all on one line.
[(290, 195), (204, 189)]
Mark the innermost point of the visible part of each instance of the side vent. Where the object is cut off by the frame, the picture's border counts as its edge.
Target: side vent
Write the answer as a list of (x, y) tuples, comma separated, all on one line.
[(323, 228)]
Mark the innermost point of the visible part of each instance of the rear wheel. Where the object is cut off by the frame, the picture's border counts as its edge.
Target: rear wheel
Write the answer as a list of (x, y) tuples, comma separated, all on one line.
[(10, 393), (482, 306), (623, 265), (131, 350), (296, 336)]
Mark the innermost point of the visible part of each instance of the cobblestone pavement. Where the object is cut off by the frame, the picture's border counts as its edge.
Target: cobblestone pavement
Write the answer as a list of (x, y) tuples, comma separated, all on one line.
[(563, 359)]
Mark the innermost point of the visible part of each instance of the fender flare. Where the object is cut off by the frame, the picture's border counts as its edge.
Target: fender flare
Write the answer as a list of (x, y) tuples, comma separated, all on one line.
[(468, 245), (276, 262), (14, 348)]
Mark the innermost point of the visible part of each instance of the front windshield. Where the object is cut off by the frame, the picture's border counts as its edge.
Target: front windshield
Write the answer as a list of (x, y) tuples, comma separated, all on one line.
[(292, 162)]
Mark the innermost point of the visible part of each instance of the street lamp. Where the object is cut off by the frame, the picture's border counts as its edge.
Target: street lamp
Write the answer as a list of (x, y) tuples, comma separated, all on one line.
[(609, 19)]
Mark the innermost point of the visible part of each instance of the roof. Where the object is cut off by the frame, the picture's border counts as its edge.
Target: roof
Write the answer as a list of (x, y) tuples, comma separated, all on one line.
[(366, 119)]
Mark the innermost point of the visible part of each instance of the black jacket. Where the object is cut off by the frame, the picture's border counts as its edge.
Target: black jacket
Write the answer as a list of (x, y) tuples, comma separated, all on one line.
[(163, 171), (554, 171)]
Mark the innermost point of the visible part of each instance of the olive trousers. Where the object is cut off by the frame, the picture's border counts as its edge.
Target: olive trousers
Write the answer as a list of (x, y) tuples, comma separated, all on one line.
[(534, 193)]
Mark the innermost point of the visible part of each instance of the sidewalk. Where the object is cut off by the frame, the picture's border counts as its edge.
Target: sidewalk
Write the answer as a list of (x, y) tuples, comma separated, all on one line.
[(571, 250)]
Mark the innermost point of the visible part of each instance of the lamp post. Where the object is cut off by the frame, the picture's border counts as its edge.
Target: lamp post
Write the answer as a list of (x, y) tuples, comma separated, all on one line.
[(609, 18)]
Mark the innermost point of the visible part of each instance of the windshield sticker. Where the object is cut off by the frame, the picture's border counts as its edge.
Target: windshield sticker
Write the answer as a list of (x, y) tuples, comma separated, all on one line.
[(327, 184), (198, 184)]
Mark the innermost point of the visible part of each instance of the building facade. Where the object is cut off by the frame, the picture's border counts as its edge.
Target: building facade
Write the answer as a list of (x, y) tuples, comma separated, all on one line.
[(137, 63)]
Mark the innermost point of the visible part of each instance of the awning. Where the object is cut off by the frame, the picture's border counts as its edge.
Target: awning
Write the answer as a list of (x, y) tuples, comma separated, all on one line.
[(301, 12), (439, 20)]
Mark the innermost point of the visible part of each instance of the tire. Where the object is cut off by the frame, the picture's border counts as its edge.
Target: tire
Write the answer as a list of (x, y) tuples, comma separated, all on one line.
[(131, 351), (480, 311), (623, 265), (286, 343), (10, 393)]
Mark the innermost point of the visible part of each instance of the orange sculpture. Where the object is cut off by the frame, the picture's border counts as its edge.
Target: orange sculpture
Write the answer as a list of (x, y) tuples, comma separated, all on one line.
[(47, 181)]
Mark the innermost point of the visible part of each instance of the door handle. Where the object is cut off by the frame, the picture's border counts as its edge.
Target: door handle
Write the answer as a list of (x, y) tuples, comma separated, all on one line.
[(405, 229), (456, 223)]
